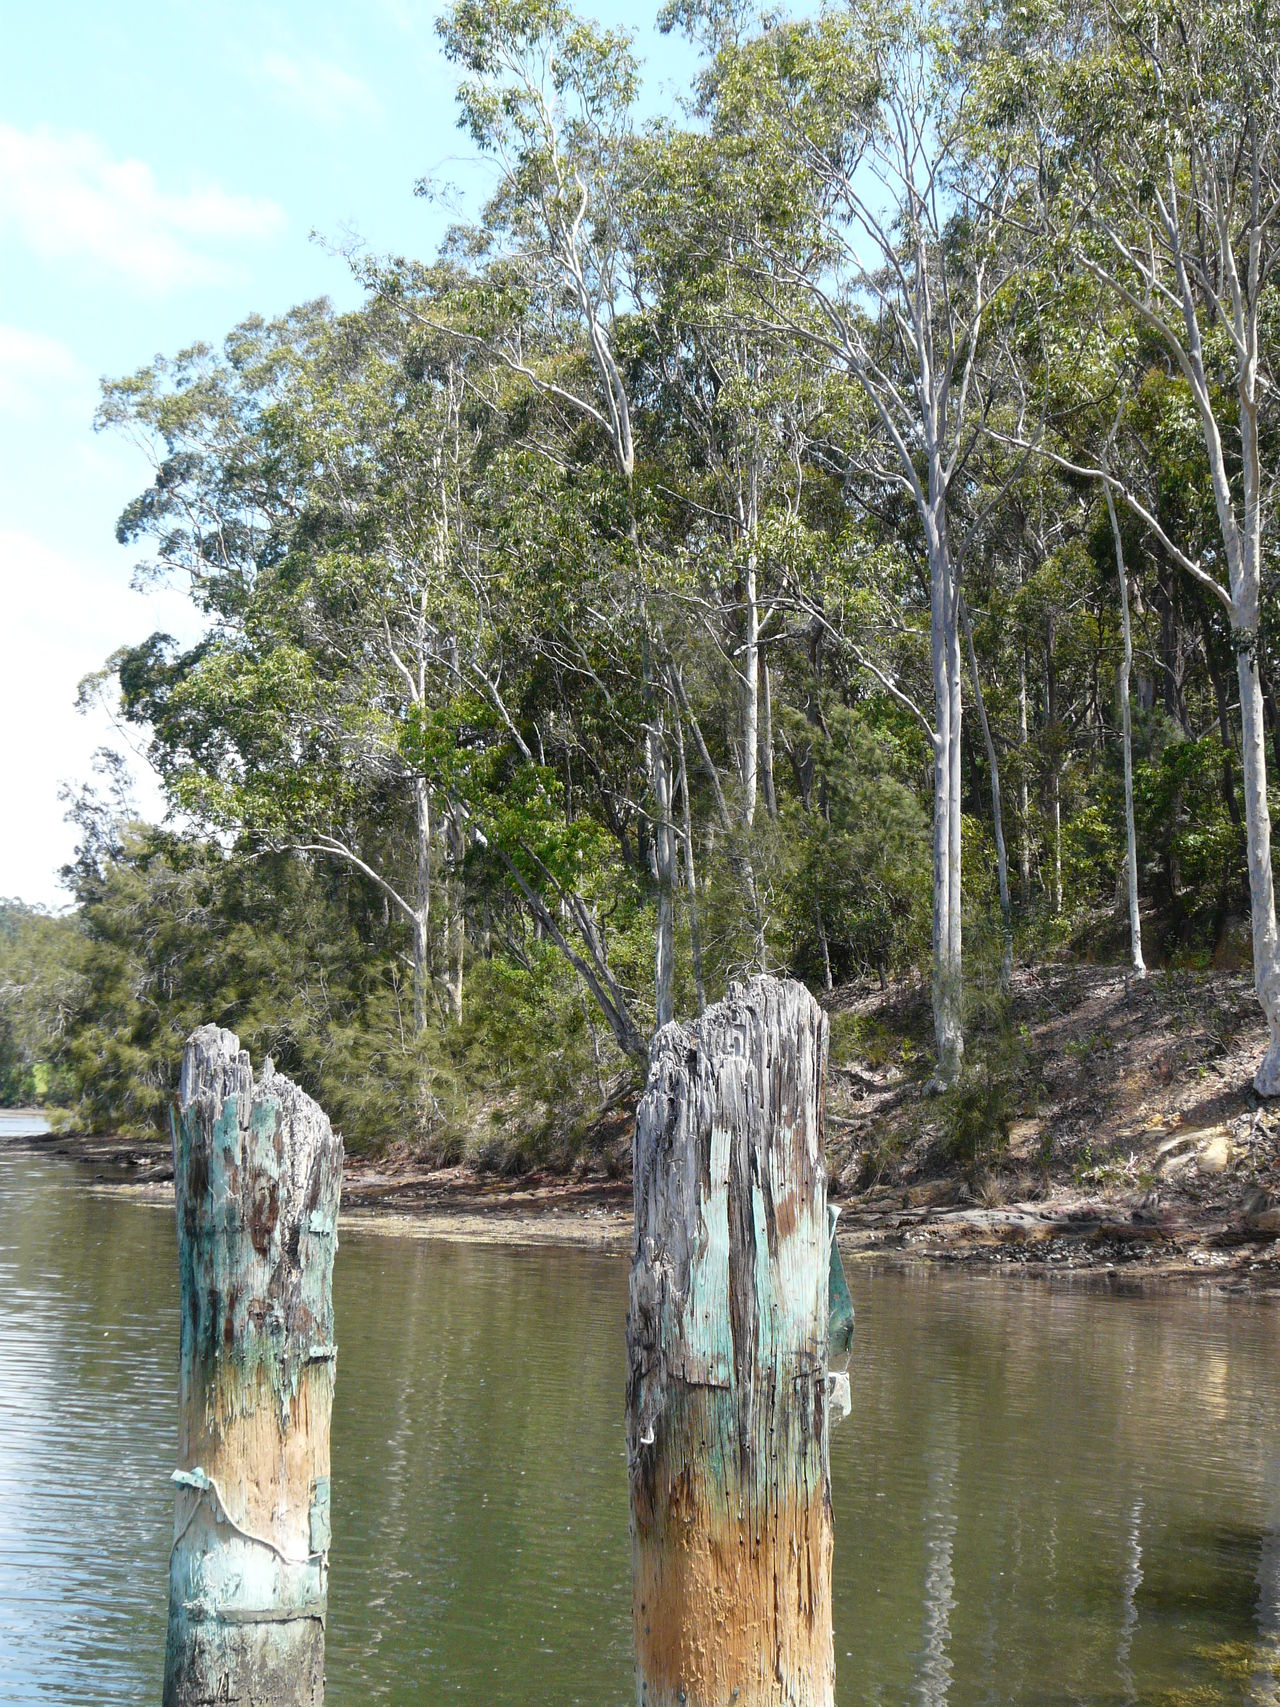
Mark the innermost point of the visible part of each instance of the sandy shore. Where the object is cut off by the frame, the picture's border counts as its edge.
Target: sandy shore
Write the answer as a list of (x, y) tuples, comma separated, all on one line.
[(1109, 1241)]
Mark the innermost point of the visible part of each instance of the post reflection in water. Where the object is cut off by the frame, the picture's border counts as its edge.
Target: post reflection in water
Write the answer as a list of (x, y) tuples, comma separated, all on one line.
[(1042, 1496), (1265, 1681)]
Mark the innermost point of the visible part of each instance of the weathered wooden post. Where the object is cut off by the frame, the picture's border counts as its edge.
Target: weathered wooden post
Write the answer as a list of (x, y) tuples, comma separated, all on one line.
[(257, 1172), (727, 1355)]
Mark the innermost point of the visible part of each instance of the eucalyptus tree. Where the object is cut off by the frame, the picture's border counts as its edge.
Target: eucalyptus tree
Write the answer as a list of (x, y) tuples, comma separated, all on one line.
[(874, 108), (309, 483), (550, 98), (1154, 133), (728, 405), (1136, 960)]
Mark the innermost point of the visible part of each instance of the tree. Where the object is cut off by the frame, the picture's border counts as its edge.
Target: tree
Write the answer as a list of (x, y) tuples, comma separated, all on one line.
[(874, 109), (1154, 136), (308, 484), (550, 97)]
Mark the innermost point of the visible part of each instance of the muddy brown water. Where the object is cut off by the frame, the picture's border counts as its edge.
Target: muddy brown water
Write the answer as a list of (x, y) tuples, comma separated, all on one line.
[(1043, 1495)]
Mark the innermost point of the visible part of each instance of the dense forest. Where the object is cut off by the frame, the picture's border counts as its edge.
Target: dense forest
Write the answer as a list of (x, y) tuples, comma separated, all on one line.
[(829, 528)]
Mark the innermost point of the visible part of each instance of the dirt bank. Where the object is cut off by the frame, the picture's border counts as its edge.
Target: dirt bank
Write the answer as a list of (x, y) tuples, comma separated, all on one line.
[(390, 1194), (1129, 1146), (1126, 1138)]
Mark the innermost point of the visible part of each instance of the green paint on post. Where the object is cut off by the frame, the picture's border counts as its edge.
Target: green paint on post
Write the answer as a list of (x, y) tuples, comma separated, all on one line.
[(839, 1303), (257, 1177), (727, 1344)]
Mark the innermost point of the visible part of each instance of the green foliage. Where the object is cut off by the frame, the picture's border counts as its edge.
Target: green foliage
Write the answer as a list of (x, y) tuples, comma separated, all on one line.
[(979, 1108), (39, 991), (856, 865), (176, 935), (608, 528)]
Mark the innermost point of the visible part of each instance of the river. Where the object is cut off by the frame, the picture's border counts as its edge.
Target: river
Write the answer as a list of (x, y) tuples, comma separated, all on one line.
[(1043, 1495)]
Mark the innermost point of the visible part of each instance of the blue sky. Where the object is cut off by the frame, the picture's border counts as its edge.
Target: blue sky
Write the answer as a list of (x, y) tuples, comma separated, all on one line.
[(162, 168)]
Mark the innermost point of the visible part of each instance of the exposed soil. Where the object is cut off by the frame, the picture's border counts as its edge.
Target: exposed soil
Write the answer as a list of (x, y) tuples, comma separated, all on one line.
[(393, 1193), (1129, 1144), (1135, 1144)]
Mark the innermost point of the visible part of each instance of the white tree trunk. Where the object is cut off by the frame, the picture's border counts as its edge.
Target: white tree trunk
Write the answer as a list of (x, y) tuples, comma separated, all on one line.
[(1266, 959), (947, 981), (457, 919), (1024, 801), (664, 865), (690, 870), (750, 697), (1055, 786), (767, 786), (997, 814), (1131, 834), (422, 908), (827, 981), (1246, 588), (956, 825)]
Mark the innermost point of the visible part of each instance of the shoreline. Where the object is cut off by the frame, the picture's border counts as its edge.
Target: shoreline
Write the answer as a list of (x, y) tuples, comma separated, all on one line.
[(1110, 1242)]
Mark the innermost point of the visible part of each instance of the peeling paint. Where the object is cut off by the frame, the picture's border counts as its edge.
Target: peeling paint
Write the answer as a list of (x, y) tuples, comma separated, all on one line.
[(257, 1175), (727, 1341)]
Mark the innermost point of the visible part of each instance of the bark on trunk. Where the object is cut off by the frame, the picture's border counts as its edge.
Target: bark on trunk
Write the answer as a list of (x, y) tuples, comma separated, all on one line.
[(727, 1342), (751, 696), (664, 855), (690, 869), (1216, 676), (997, 814), (457, 919), (827, 981), (1266, 951), (257, 1175), (422, 910), (1024, 802), (1126, 666), (947, 977), (767, 785), (1055, 786)]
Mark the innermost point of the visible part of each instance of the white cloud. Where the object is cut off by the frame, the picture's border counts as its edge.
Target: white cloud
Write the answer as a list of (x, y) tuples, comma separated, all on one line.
[(37, 371), (68, 199), (318, 87), (60, 618)]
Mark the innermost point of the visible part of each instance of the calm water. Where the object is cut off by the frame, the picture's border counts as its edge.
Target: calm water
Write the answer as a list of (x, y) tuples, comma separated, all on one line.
[(1041, 1496)]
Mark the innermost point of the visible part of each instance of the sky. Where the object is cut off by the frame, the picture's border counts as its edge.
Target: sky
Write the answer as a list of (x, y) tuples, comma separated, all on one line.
[(166, 168)]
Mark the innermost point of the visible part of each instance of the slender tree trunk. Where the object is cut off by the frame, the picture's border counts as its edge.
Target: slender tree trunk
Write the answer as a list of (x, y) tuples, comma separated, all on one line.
[(664, 866), (947, 978), (659, 778), (457, 920), (738, 858), (1266, 950), (955, 676), (1131, 834), (1055, 788), (1242, 540), (1273, 716), (1216, 676), (690, 872), (422, 973), (767, 787), (827, 983), (257, 1174), (997, 815), (1024, 851), (727, 1347), (750, 695)]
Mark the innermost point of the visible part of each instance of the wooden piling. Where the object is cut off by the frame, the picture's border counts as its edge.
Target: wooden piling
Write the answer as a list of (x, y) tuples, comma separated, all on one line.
[(257, 1174), (727, 1360)]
